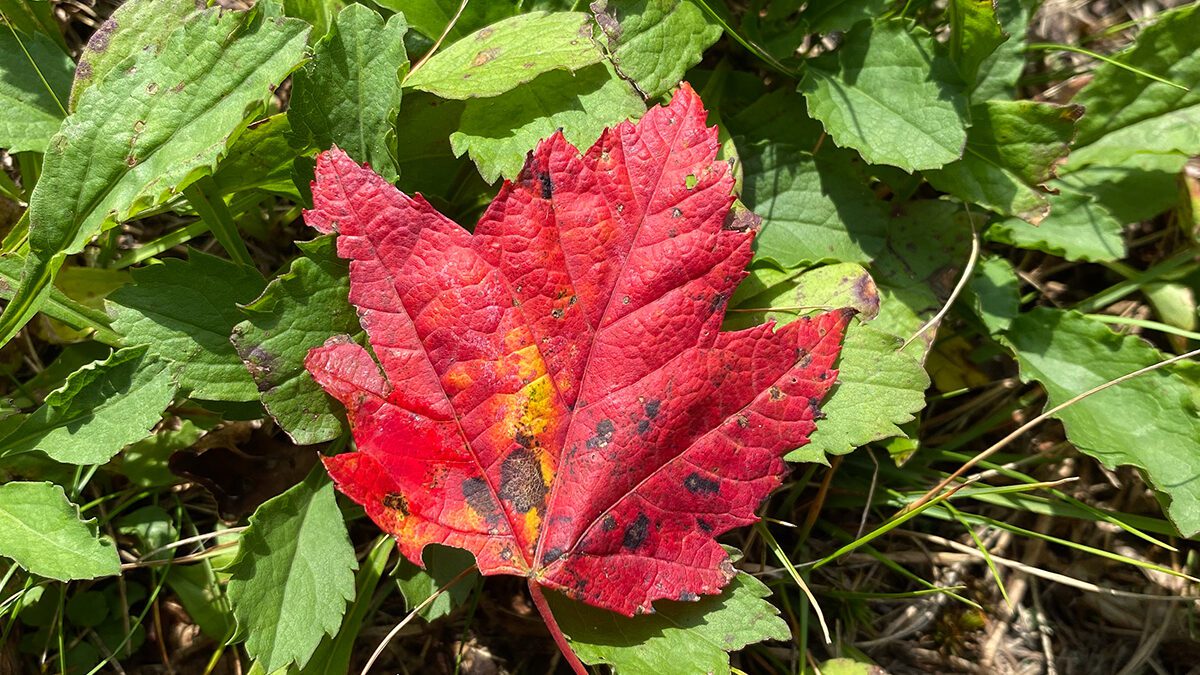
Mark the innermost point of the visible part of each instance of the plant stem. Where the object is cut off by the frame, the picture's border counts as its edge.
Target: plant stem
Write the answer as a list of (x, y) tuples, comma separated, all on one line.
[(543, 608)]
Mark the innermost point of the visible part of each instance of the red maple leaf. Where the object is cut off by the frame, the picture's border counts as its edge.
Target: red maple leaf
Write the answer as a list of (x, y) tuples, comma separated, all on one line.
[(556, 394)]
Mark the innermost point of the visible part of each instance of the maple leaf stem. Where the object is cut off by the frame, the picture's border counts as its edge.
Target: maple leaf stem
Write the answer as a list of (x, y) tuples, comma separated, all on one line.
[(543, 607)]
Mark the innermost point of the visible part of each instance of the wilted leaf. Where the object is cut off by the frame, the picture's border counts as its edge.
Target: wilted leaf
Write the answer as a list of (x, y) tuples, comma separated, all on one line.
[(560, 454)]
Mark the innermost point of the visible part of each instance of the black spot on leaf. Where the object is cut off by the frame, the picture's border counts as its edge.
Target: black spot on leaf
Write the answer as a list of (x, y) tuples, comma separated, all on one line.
[(475, 491), (521, 481), (699, 485), (551, 555), (635, 533), (608, 524), (652, 407), (396, 502), (604, 434)]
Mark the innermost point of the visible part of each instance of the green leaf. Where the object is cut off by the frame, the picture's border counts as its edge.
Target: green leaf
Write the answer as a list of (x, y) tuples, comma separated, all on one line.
[(1078, 228), (1150, 421), (654, 42), (319, 13), (1128, 113), (423, 127), (494, 60), (147, 132), (680, 637), (928, 245), (995, 293), (35, 79), (442, 565), (334, 653), (349, 93), (261, 158), (33, 16), (298, 311), (889, 94), (293, 574), (184, 311), (57, 305), (998, 74), (975, 33), (833, 15), (879, 388), (100, 409), (430, 17), (814, 207), (1012, 150), (41, 530), (136, 26), (498, 132)]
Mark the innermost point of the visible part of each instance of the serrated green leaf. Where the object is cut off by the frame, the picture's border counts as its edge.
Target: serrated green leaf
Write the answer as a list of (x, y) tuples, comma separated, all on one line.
[(35, 79), (334, 653), (148, 131), (100, 409), (654, 42), (1128, 113), (975, 33), (1013, 148), (814, 207), (498, 132), (136, 26), (348, 94), (293, 574), (41, 530), (261, 158), (184, 311), (879, 388), (1078, 228), (442, 565), (494, 60), (680, 637), (888, 93), (1150, 422), (998, 74), (298, 311)]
